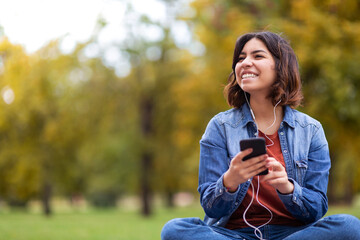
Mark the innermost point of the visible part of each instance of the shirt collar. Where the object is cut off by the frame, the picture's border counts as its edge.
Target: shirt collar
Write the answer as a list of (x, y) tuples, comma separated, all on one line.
[(289, 117), (246, 115)]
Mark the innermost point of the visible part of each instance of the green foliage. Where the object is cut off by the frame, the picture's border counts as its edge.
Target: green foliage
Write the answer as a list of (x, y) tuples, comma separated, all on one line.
[(63, 107)]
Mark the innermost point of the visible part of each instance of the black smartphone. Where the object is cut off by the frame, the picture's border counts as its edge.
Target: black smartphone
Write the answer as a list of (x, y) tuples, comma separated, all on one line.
[(258, 146)]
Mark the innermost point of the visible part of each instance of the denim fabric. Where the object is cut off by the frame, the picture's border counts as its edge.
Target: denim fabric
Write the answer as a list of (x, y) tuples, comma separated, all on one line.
[(307, 160), (335, 227), (305, 152)]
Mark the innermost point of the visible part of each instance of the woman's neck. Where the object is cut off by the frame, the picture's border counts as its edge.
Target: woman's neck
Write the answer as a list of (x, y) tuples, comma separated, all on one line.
[(264, 115)]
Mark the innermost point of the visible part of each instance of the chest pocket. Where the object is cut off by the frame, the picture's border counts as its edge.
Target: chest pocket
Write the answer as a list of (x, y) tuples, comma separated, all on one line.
[(301, 167)]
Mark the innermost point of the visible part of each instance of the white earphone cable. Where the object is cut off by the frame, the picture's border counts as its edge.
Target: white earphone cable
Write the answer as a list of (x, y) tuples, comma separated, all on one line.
[(272, 142), (257, 230)]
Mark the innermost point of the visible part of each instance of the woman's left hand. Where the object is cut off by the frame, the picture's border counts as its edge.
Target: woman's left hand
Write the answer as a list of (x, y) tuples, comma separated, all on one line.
[(277, 177)]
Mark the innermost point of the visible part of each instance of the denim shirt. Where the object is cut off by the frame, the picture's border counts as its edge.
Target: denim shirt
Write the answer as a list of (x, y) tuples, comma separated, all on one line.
[(306, 155)]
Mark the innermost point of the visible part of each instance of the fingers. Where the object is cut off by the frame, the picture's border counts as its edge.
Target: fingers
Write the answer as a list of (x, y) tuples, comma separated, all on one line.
[(256, 165), (276, 170), (240, 156), (274, 165), (259, 170), (240, 171), (250, 167), (277, 176)]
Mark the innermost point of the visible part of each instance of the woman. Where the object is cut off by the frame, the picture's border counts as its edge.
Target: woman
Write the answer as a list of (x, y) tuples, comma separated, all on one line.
[(288, 202)]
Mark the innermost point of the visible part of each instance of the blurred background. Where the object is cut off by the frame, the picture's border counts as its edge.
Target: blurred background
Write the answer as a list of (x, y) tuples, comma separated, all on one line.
[(103, 102)]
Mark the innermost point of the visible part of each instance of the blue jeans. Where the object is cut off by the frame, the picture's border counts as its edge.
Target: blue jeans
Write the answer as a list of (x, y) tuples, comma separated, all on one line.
[(342, 226)]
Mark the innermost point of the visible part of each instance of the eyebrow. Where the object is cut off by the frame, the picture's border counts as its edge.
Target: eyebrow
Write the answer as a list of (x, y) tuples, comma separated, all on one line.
[(254, 52)]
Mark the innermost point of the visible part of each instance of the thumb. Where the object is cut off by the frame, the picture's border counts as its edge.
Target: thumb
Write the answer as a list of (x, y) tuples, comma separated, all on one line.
[(274, 165)]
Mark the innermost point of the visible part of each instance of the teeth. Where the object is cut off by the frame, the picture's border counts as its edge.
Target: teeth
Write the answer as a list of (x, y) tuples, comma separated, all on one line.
[(248, 75)]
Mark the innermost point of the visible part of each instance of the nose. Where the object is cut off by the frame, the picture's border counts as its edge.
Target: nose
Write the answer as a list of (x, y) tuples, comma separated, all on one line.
[(246, 62)]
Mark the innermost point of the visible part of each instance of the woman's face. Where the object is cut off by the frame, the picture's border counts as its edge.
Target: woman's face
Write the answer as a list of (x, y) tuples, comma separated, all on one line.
[(255, 70)]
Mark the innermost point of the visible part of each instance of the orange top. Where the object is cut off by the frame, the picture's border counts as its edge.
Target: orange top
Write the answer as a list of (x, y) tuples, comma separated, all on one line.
[(257, 215)]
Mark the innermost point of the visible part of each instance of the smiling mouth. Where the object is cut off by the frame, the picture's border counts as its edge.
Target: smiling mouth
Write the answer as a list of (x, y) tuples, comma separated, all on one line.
[(248, 75)]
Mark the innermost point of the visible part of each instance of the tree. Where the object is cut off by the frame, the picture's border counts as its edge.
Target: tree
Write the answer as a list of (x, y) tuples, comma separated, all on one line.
[(50, 120), (158, 66)]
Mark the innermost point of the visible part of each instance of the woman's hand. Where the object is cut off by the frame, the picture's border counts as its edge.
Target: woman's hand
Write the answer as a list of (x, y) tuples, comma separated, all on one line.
[(240, 171), (277, 177)]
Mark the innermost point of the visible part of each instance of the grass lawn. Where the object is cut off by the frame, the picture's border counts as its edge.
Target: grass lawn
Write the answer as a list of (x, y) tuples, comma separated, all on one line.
[(100, 224), (88, 225)]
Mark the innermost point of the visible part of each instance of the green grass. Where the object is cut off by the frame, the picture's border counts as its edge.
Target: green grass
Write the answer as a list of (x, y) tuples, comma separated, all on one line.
[(100, 224), (355, 211), (89, 225)]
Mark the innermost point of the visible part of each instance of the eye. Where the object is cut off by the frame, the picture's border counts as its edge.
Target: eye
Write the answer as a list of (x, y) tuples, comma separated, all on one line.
[(241, 59), (258, 56)]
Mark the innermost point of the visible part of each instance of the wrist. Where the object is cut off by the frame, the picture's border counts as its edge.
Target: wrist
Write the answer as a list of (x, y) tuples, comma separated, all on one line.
[(288, 189), (227, 184)]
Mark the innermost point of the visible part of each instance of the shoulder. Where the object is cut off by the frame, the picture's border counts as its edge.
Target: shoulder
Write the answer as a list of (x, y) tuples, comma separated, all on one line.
[(304, 120), (232, 117)]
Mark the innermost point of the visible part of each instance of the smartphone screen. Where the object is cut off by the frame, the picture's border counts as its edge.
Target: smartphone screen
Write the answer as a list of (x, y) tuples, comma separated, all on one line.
[(258, 146)]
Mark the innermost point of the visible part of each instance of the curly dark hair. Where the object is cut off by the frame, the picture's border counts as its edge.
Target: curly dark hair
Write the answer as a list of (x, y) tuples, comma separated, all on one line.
[(287, 86)]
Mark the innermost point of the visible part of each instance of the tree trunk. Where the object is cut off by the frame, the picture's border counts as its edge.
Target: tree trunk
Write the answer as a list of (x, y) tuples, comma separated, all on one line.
[(147, 156), (46, 196), (331, 193), (145, 186), (349, 195), (170, 199)]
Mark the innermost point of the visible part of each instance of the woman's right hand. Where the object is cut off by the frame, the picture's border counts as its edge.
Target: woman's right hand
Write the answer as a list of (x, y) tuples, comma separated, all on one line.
[(240, 171)]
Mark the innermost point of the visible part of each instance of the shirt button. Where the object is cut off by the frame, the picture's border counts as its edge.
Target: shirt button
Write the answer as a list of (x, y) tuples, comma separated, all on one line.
[(285, 151), (294, 198), (220, 190), (236, 203), (281, 133)]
